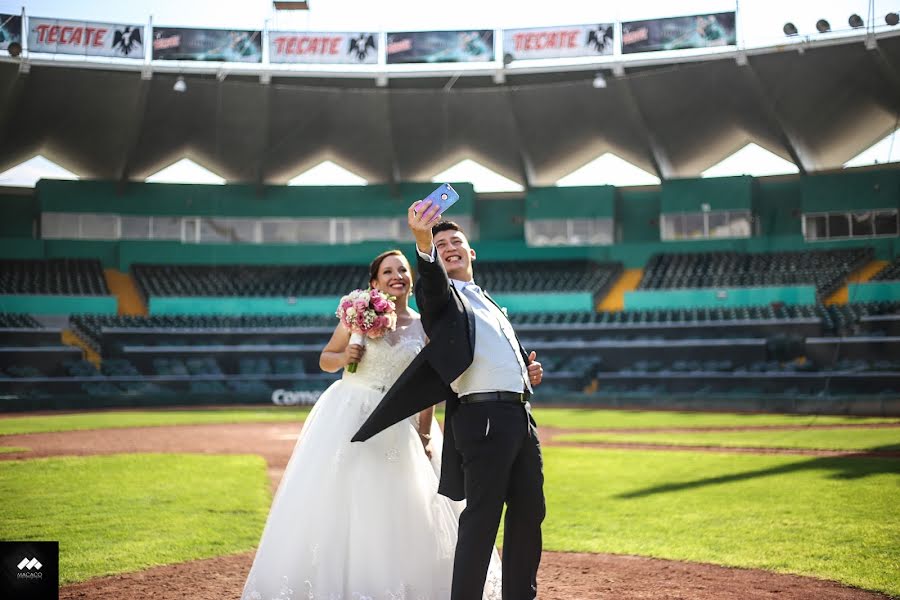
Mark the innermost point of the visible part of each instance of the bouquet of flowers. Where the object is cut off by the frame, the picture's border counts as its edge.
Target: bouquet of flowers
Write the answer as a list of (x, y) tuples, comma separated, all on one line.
[(366, 314)]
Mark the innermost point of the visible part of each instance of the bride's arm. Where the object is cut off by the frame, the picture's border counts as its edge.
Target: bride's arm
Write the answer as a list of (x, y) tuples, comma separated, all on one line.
[(424, 428), (339, 352)]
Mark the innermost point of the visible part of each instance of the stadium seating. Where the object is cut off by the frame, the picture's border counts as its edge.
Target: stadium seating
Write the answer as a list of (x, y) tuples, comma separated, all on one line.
[(334, 280), (68, 276), (891, 272), (248, 280), (826, 269), (546, 276)]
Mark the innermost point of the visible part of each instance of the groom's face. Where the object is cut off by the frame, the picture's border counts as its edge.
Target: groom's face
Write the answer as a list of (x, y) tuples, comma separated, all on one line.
[(456, 254)]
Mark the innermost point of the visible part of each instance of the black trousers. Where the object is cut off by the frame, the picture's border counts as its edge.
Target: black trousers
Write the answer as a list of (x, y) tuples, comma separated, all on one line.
[(502, 463)]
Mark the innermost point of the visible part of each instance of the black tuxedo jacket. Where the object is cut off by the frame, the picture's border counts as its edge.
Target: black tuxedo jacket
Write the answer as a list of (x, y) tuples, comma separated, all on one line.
[(449, 322)]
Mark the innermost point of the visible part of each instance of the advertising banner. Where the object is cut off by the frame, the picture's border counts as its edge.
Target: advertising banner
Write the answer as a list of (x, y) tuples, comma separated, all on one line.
[(10, 30), (558, 42), (678, 33), (171, 43), (85, 38), (323, 48), (440, 46)]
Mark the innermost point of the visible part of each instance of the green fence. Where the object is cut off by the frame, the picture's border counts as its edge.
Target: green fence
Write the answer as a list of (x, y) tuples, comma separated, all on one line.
[(40, 304), (199, 305), (724, 297), (874, 291)]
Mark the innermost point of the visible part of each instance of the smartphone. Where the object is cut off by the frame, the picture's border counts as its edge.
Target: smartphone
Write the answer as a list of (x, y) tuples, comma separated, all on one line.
[(445, 197)]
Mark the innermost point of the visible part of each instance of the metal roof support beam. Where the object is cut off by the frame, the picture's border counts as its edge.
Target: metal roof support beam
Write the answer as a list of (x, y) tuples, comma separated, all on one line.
[(890, 72), (526, 167), (134, 135), (394, 168), (265, 137), (788, 138), (658, 157)]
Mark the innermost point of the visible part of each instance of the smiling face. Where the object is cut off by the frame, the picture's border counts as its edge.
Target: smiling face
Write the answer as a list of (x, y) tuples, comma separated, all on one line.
[(393, 277), (456, 254)]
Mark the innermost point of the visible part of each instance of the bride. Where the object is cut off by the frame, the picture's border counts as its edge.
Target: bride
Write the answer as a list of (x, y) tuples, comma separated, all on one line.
[(363, 521)]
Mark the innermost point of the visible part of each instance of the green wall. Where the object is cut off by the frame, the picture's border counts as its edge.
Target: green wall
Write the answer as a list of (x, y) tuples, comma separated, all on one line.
[(39, 304), (197, 305), (239, 200), (594, 202), (20, 212), (638, 212), (858, 190), (874, 291), (721, 193), (779, 208), (500, 219)]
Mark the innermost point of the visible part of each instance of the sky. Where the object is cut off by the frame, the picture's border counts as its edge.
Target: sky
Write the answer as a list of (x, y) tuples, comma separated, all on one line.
[(760, 23)]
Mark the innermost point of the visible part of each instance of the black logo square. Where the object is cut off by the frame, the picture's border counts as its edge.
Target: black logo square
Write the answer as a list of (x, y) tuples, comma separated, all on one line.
[(29, 570)]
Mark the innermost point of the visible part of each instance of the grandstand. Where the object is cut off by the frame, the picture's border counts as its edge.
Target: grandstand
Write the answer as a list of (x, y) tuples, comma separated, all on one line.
[(732, 292)]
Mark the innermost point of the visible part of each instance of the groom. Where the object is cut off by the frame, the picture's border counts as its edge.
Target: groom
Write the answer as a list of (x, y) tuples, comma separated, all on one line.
[(491, 452)]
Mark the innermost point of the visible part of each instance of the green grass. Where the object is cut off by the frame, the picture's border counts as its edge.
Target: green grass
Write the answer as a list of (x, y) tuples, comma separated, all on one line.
[(13, 449), (149, 418), (575, 418), (832, 518), (119, 513), (546, 417), (822, 439)]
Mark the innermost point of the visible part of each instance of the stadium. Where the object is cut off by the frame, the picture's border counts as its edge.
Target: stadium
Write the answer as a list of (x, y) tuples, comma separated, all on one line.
[(720, 404)]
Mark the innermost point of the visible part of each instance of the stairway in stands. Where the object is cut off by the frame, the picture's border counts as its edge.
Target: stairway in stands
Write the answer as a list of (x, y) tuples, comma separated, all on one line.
[(615, 299), (861, 275), (123, 286)]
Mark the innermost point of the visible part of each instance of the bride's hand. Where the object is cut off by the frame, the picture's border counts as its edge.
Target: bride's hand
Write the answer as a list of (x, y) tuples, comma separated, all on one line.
[(428, 451), (353, 353)]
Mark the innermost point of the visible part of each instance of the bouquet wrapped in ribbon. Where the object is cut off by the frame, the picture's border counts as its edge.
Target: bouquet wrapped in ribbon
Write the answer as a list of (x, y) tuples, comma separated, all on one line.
[(367, 314)]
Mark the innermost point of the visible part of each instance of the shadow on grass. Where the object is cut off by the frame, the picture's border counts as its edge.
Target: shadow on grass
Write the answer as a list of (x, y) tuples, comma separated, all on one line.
[(850, 466)]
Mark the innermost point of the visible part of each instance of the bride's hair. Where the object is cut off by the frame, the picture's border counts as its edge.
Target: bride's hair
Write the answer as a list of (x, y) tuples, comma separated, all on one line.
[(376, 263)]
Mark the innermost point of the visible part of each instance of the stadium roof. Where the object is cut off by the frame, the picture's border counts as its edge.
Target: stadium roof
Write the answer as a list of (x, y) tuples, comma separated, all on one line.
[(816, 106)]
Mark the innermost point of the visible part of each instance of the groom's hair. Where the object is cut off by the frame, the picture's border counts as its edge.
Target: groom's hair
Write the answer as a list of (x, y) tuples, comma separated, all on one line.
[(447, 226)]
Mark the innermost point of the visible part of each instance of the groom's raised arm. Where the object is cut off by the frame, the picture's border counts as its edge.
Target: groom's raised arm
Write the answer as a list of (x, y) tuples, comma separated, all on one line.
[(432, 287)]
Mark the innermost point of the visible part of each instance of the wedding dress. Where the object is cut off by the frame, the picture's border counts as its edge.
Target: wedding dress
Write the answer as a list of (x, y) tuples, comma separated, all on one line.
[(361, 521)]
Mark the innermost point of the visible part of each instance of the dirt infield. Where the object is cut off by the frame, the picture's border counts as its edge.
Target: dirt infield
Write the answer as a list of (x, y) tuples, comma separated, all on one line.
[(563, 576)]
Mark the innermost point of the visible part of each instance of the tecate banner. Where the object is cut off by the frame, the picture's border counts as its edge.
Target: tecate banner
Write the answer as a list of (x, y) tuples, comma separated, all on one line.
[(558, 42), (10, 30), (323, 48), (85, 38), (440, 46), (678, 33), (170, 43)]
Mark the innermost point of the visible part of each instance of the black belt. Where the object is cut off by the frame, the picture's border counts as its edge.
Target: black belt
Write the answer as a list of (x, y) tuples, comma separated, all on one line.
[(514, 397)]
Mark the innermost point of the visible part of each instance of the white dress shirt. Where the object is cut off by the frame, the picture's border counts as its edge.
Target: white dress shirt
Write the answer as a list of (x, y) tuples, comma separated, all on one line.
[(497, 364)]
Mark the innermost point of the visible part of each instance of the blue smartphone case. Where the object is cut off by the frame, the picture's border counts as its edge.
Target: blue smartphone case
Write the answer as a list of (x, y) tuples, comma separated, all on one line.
[(445, 197)]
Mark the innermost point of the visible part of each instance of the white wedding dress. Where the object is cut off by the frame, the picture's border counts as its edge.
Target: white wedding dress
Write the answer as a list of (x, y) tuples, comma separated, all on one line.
[(361, 521)]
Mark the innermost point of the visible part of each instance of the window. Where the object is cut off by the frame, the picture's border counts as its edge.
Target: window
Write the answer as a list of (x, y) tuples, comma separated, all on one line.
[(227, 230), (844, 225), (569, 232), (58, 226), (99, 227), (134, 228), (703, 225), (165, 228)]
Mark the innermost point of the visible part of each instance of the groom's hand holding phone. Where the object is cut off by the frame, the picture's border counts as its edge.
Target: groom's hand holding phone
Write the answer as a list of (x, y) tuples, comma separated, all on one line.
[(422, 215)]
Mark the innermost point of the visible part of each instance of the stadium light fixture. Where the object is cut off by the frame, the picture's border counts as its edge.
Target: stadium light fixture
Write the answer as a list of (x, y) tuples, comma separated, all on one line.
[(789, 29), (823, 26), (855, 21), (599, 81), (14, 49), (892, 18), (180, 85)]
